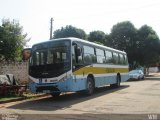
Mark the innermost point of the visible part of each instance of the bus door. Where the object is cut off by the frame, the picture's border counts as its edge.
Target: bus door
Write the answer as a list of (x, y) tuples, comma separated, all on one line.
[(77, 60)]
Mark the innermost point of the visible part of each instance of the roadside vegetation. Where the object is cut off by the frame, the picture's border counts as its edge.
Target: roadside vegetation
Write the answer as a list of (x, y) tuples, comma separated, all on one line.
[(12, 40), (10, 97), (141, 45)]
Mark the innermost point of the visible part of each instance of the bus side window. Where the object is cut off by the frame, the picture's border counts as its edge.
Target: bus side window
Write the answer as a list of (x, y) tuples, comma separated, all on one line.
[(89, 55), (115, 57), (73, 55), (125, 59), (100, 56), (121, 59), (109, 57)]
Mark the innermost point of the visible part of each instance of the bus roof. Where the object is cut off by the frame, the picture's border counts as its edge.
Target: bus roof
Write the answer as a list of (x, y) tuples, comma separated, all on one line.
[(82, 41)]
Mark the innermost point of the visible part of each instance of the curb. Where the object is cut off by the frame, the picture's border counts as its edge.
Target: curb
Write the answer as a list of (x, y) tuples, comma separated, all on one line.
[(22, 98)]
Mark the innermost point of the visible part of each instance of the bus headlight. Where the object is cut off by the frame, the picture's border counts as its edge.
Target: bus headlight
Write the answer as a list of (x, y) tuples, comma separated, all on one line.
[(63, 79)]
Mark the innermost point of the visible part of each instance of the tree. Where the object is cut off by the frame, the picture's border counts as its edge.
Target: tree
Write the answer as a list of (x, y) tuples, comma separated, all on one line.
[(149, 52), (142, 46), (70, 31), (12, 40), (123, 36), (97, 36)]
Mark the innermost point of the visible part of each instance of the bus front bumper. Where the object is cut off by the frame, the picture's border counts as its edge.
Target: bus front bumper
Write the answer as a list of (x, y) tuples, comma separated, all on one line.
[(69, 85), (43, 88)]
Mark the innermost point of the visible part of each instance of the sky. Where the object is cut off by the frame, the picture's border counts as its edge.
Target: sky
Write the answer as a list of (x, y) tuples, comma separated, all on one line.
[(89, 15)]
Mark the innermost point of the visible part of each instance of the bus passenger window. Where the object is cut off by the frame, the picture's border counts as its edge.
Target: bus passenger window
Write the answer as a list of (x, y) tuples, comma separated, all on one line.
[(115, 58), (73, 56), (100, 56), (109, 58), (89, 55), (125, 60), (121, 59)]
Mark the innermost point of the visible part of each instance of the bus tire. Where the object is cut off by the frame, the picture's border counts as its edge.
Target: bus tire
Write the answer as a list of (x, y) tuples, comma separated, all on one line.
[(90, 86), (55, 94), (117, 84)]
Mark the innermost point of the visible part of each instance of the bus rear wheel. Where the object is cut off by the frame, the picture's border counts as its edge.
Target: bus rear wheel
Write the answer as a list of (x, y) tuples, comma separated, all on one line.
[(90, 86)]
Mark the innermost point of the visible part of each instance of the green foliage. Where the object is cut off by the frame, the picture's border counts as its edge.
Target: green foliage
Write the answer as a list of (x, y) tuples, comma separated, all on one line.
[(70, 31), (97, 36), (142, 46), (124, 37), (12, 40), (149, 45)]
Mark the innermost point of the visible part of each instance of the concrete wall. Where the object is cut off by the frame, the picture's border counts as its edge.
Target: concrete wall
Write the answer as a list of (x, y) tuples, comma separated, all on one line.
[(153, 69), (19, 70)]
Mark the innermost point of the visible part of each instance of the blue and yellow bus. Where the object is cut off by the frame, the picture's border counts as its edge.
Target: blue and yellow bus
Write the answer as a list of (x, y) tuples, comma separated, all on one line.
[(72, 65)]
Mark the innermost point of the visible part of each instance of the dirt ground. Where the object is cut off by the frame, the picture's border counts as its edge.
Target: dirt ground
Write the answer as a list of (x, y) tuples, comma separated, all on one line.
[(135, 98)]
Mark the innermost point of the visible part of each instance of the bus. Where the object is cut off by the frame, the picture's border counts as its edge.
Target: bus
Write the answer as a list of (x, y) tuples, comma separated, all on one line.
[(75, 65)]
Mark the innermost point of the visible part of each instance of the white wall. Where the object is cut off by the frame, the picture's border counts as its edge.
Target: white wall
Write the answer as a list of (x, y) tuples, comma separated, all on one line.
[(19, 70), (153, 69)]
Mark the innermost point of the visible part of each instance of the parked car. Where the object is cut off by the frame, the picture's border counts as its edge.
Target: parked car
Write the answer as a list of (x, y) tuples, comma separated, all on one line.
[(136, 74)]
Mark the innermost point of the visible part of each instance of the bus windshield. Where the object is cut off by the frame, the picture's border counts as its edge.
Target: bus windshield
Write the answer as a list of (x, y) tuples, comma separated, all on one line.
[(50, 59)]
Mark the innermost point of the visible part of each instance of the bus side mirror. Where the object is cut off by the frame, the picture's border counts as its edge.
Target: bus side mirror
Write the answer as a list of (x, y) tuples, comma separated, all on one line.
[(78, 51)]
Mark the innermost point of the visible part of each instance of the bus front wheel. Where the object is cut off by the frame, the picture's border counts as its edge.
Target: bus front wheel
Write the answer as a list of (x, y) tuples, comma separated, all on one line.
[(90, 86), (55, 94)]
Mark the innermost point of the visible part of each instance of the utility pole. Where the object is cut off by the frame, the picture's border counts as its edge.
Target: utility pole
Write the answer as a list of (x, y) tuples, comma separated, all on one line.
[(51, 28)]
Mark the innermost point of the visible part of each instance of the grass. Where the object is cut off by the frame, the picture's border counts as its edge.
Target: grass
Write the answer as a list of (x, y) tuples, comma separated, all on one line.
[(11, 97)]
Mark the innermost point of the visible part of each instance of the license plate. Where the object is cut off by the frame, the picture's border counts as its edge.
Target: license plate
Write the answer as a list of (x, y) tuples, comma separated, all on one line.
[(46, 91)]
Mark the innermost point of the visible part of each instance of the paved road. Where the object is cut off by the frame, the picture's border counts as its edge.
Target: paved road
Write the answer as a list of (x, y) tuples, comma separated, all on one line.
[(133, 97)]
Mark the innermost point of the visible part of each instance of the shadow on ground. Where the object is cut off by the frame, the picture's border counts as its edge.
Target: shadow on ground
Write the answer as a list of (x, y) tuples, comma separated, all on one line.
[(133, 80), (153, 78), (64, 101)]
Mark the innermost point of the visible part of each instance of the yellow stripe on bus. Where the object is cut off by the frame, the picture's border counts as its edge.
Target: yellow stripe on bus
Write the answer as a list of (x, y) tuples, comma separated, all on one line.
[(99, 70)]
